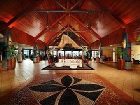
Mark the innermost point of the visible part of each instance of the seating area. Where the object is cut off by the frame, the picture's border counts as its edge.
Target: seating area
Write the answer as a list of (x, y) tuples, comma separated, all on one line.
[(72, 63), (135, 61)]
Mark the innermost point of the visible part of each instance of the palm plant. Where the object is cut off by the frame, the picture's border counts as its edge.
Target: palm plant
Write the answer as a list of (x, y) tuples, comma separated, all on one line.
[(11, 52), (120, 52)]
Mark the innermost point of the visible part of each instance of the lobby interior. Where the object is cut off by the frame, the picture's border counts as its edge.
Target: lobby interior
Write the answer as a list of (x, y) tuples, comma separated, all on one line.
[(88, 46)]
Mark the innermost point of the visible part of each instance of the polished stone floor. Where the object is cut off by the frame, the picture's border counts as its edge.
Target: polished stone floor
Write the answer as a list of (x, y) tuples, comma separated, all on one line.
[(127, 81)]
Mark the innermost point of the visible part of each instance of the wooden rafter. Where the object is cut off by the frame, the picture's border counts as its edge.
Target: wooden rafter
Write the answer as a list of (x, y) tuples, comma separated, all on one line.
[(56, 34), (102, 7), (76, 38), (60, 5), (64, 11), (48, 28), (78, 33), (56, 41), (74, 30), (29, 8), (90, 29), (77, 3), (67, 5)]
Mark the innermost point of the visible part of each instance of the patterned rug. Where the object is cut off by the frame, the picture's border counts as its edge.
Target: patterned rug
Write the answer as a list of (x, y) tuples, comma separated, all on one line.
[(70, 90)]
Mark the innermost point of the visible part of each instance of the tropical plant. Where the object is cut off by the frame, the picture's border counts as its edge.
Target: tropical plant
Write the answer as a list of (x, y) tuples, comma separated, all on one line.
[(121, 52), (35, 51), (11, 51), (97, 54)]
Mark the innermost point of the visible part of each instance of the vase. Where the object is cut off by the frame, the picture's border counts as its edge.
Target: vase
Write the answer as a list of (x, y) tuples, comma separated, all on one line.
[(120, 64), (11, 63)]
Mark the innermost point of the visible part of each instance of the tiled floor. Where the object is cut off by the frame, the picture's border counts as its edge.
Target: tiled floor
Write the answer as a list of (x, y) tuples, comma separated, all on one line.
[(127, 81)]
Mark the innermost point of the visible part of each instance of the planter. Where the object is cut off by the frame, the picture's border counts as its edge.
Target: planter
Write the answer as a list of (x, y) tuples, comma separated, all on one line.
[(120, 64), (36, 59), (50, 61), (11, 64)]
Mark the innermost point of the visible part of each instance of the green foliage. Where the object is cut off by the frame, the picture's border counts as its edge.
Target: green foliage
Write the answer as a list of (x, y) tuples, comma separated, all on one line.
[(11, 51), (35, 51), (121, 52), (97, 54)]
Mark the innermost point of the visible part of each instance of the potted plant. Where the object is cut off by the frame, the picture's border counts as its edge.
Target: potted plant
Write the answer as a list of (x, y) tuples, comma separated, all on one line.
[(97, 57), (120, 61), (84, 55), (11, 57), (36, 58)]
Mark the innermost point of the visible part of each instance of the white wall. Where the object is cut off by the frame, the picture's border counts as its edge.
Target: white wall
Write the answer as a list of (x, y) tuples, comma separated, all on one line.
[(135, 52)]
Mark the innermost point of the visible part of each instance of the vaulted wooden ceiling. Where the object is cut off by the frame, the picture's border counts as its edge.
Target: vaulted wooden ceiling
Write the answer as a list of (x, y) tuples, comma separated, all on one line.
[(46, 20)]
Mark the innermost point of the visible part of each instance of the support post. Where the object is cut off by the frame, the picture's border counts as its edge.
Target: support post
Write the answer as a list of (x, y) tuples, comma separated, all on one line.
[(19, 55)]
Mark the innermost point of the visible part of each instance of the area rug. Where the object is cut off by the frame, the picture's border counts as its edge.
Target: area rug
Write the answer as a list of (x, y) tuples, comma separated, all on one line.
[(70, 90), (53, 67)]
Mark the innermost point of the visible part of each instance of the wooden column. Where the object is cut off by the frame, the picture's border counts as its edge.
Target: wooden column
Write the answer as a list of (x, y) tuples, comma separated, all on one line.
[(19, 55)]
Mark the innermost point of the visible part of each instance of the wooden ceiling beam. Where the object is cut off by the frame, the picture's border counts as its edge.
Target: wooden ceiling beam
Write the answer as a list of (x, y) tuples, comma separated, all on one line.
[(30, 7), (76, 38), (103, 8), (74, 30), (90, 29), (77, 3), (56, 34), (56, 41), (84, 40), (27, 9), (64, 11), (59, 4), (68, 5), (48, 28)]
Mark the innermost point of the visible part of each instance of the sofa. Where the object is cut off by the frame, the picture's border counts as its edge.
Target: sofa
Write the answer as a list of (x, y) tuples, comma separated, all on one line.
[(72, 63)]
